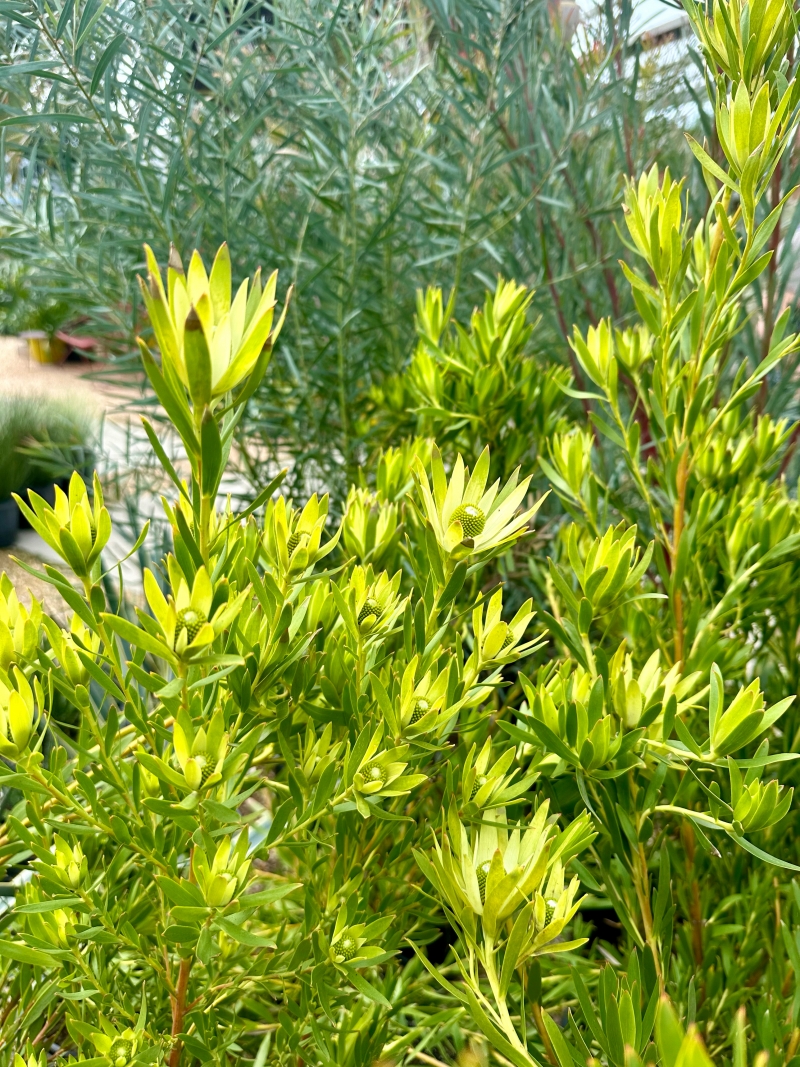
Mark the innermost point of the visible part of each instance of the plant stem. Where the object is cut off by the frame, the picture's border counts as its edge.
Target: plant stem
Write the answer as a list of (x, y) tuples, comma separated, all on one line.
[(679, 514), (500, 1001), (641, 882), (178, 1010), (536, 1010)]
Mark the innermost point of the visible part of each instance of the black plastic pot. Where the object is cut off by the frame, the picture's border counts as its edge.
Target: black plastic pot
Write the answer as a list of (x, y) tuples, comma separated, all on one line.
[(9, 522)]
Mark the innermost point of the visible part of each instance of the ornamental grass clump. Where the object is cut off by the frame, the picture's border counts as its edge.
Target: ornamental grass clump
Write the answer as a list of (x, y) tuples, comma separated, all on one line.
[(397, 787)]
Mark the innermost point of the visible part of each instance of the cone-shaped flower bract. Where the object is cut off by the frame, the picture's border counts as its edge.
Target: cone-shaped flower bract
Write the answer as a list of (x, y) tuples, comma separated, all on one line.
[(423, 704), (466, 517), (118, 1046), (185, 620), (200, 753), (18, 715), (77, 529), (210, 341), (349, 941), (486, 785), (227, 872), (497, 870), (380, 773), (19, 626), (497, 642), (374, 601), (293, 539)]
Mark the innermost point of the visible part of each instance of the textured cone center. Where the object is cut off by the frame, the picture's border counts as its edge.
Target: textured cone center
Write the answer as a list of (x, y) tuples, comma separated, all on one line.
[(191, 620), (421, 708), (471, 518), (370, 612), (293, 542), (482, 871), (549, 911), (207, 769), (509, 638), (120, 1052), (478, 784), (374, 773), (346, 947)]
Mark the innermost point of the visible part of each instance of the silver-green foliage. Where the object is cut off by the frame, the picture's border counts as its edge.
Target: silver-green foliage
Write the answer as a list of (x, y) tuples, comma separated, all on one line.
[(364, 149)]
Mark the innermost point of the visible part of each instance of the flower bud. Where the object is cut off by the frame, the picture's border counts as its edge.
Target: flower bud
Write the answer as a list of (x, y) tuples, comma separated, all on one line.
[(199, 317), (74, 528), (17, 714)]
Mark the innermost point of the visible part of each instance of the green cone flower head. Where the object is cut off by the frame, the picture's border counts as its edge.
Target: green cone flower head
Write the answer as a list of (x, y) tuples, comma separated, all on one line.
[(118, 1046), (293, 539), (471, 518), (208, 342), (68, 646), (394, 479), (495, 869), (419, 710), (496, 642), (554, 907), (345, 948), (71, 864), (369, 528), (227, 873), (466, 517), (318, 753), (756, 805), (633, 695), (375, 601), (480, 781), (18, 716), (19, 626), (200, 755), (743, 720), (349, 939), (380, 773), (486, 785), (74, 528), (423, 704), (186, 623)]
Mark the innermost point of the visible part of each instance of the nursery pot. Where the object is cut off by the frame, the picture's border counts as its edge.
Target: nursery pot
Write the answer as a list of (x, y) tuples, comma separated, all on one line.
[(42, 349), (38, 348), (9, 522)]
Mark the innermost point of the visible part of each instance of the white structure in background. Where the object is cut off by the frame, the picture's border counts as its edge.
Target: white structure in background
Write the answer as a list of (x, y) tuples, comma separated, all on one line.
[(653, 22), (657, 22)]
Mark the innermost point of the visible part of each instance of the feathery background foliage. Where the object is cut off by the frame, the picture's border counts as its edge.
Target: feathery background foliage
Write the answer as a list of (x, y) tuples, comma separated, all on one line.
[(367, 150)]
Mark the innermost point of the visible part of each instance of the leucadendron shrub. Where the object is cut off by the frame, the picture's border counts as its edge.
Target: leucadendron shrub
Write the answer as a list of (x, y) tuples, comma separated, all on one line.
[(323, 797)]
